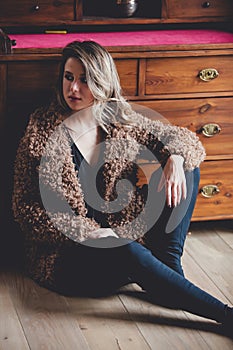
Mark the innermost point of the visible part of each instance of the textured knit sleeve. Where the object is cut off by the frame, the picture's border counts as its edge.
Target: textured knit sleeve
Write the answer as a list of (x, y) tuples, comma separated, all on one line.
[(166, 139), (29, 212)]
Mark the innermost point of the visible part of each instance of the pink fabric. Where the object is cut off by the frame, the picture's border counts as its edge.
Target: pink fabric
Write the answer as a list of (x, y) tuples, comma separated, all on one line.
[(142, 38)]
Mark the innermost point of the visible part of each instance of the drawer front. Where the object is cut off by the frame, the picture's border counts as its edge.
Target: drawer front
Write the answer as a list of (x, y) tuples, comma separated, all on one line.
[(33, 11), (215, 197), (210, 118), (199, 8), (185, 75), (128, 73), (219, 204)]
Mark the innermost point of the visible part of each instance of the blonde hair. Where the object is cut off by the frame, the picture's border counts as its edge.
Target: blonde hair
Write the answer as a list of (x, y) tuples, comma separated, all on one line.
[(102, 79)]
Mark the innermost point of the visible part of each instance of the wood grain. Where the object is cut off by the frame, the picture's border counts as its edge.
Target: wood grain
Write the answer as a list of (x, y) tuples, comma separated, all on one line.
[(194, 114), (164, 76), (195, 8), (28, 14), (33, 318)]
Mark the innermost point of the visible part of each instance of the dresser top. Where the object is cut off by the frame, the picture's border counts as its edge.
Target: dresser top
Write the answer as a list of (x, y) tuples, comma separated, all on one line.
[(128, 38)]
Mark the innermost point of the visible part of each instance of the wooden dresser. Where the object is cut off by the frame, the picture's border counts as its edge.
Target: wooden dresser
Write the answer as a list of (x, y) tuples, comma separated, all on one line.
[(176, 60)]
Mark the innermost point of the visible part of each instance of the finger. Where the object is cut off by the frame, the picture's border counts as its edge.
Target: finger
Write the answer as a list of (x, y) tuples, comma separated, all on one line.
[(177, 195), (169, 195), (174, 195), (184, 190)]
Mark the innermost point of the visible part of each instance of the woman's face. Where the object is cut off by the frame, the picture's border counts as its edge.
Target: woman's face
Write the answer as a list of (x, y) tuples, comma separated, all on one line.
[(75, 90)]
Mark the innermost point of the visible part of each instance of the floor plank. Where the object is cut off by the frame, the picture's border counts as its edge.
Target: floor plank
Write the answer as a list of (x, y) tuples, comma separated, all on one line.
[(209, 330), (163, 328), (34, 318), (226, 232), (106, 324), (213, 254), (11, 332), (44, 317)]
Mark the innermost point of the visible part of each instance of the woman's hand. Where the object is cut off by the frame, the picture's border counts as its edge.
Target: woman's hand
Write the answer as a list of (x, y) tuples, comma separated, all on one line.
[(102, 232), (173, 179)]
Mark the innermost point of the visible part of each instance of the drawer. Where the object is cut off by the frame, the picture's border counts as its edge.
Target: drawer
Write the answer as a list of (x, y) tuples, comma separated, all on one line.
[(33, 11), (185, 75), (199, 8), (206, 117), (128, 73), (215, 197), (219, 205)]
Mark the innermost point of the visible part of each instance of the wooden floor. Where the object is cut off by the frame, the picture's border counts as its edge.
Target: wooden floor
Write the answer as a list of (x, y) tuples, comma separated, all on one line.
[(34, 318)]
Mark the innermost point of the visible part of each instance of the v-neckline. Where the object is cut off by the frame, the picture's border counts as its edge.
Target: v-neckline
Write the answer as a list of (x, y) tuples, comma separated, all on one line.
[(92, 166), (100, 144)]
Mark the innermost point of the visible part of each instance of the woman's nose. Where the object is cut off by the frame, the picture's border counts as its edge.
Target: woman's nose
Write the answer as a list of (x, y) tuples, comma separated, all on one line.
[(75, 86)]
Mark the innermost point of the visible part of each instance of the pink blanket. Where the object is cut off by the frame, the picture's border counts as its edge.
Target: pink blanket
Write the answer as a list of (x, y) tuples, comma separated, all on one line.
[(130, 38)]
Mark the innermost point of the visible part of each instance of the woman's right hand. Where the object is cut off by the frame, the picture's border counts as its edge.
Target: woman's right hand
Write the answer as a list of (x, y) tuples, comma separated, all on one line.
[(102, 232)]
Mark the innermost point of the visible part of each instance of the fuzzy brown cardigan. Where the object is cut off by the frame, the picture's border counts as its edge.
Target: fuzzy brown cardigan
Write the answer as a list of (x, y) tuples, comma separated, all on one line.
[(44, 159)]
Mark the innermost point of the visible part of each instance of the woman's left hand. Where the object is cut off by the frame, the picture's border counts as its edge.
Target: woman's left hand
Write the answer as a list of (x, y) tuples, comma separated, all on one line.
[(174, 180)]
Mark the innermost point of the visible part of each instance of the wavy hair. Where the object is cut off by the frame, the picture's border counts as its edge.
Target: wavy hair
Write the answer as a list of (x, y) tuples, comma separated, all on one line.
[(102, 79)]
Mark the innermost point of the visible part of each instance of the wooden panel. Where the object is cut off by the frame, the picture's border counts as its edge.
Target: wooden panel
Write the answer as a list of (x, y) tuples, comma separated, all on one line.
[(219, 206), (3, 84), (199, 8), (29, 86), (194, 114), (128, 72), (32, 11), (181, 75), (3, 141)]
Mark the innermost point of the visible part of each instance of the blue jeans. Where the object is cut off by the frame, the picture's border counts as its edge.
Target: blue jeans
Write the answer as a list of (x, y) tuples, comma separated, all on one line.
[(95, 272), (156, 267), (167, 236)]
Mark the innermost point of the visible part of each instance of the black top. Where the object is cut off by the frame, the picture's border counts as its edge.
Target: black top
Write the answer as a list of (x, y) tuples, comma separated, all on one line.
[(92, 183)]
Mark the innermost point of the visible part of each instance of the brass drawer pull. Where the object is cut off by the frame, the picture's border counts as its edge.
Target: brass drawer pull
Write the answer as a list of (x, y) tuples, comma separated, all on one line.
[(209, 130), (209, 191), (208, 74)]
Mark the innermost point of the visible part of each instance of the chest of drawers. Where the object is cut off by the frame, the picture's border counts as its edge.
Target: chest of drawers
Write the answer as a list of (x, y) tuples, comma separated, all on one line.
[(194, 89), (211, 119), (189, 85)]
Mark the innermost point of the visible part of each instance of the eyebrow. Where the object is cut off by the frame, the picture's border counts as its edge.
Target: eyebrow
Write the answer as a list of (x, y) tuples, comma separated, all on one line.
[(81, 75)]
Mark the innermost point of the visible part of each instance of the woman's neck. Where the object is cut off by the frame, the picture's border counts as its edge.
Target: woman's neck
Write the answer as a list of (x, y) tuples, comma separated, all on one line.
[(81, 121)]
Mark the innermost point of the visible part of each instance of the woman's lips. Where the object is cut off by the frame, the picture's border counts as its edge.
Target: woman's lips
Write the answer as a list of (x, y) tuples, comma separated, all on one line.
[(74, 98)]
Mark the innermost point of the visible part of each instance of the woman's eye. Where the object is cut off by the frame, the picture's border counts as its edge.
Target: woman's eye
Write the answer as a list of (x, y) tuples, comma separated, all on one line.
[(69, 77), (83, 80)]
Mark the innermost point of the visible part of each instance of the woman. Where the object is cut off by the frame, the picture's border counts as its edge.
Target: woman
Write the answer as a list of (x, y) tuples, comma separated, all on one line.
[(89, 227)]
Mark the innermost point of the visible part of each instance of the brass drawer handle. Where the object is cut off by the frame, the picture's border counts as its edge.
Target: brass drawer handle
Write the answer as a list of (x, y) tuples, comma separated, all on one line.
[(208, 74), (209, 191), (209, 130)]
